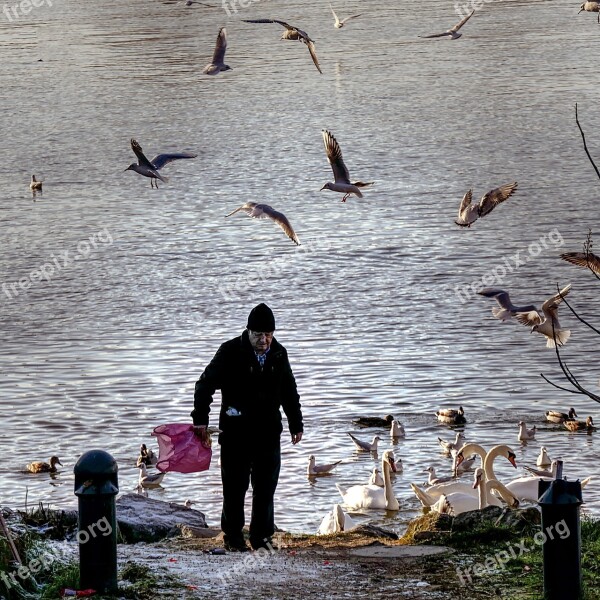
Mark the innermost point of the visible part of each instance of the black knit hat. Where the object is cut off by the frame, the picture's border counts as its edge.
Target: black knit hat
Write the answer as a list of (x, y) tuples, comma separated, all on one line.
[(261, 319)]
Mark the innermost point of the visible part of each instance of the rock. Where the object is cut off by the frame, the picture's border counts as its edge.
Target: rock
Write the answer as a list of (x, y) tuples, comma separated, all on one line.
[(374, 531), (519, 520), (142, 519)]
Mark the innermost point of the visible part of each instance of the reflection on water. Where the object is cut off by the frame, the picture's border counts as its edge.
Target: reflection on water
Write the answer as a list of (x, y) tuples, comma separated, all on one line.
[(109, 348)]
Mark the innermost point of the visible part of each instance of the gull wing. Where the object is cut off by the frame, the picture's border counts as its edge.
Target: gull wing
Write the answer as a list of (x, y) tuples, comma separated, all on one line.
[(550, 307), (350, 18), (221, 46), (313, 53), (501, 296), (268, 212), (247, 208), (161, 160), (334, 156), (142, 160), (530, 318), (465, 202), (286, 25), (490, 200), (334, 15), (461, 23), (583, 259)]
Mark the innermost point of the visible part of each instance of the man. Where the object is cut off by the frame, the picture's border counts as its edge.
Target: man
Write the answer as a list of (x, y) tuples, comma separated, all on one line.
[(255, 378)]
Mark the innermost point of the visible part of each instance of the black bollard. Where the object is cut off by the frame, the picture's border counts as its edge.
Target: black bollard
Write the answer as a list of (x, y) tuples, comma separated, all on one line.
[(96, 485), (560, 501)]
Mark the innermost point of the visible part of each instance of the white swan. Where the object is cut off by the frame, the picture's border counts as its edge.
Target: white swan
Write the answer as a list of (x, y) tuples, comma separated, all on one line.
[(397, 429), (431, 495), (543, 460), (335, 521), (457, 502), (524, 433), (372, 496), (447, 447)]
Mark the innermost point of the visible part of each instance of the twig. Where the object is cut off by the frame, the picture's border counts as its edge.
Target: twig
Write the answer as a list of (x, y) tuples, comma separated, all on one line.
[(584, 144), (587, 248), (9, 539)]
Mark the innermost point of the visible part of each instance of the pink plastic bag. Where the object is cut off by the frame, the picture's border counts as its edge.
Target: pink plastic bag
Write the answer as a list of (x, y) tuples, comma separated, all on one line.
[(180, 450)]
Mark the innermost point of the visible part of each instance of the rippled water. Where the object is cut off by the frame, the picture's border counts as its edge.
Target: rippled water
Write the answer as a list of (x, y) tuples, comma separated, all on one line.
[(111, 345)]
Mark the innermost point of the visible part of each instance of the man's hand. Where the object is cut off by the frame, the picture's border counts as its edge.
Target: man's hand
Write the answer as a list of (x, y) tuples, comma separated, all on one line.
[(296, 437), (200, 431)]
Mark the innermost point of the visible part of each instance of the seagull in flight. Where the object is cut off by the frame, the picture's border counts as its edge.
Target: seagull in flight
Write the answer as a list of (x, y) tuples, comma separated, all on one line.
[(469, 213), (341, 176), (507, 309), (217, 65), (292, 33), (583, 259), (149, 168), (264, 211), (339, 24), (451, 33), (548, 326)]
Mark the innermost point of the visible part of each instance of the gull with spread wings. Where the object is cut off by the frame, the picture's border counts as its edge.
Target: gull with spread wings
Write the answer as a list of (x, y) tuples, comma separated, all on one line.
[(451, 33), (218, 61), (341, 176), (292, 33), (149, 168), (264, 211), (339, 24), (507, 308), (469, 213), (548, 326)]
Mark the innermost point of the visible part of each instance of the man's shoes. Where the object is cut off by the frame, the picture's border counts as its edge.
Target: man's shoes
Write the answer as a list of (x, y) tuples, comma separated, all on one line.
[(266, 543), (236, 546)]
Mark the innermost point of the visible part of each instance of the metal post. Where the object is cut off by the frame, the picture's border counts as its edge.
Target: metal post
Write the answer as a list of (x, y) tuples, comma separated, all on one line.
[(560, 501), (96, 485)]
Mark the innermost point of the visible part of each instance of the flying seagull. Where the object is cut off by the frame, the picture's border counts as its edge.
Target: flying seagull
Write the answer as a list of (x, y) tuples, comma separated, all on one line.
[(591, 7), (35, 185), (292, 33), (341, 176), (264, 211), (583, 259), (507, 308), (339, 24), (548, 326), (149, 168), (452, 33), (469, 213), (217, 65)]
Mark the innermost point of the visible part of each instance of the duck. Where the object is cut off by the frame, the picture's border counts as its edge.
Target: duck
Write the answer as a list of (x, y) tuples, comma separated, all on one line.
[(450, 416), (44, 467), (397, 429), (374, 421), (372, 496), (429, 496), (376, 478), (433, 479), (314, 470), (554, 416), (146, 456), (35, 185), (365, 446), (543, 460), (525, 434), (149, 481), (447, 447), (336, 521), (457, 503), (587, 425)]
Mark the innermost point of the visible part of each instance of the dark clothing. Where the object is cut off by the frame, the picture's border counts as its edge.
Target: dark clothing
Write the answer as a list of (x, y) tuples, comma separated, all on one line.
[(250, 421)]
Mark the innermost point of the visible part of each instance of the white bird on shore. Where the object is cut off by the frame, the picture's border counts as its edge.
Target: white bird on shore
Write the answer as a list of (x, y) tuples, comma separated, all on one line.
[(365, 446), (341, 176), (314, 470), (549, 325), (447, 446), (397, 429), (453, 32), (507, 309), (543, 460), (339, 24), (468, 213), (264, 211), (525, 434), (336, 521), (218, 61), (149, 481)]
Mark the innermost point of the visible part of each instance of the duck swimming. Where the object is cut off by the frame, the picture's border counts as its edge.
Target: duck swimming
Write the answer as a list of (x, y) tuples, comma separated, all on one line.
[(374, 421), (44, 467)]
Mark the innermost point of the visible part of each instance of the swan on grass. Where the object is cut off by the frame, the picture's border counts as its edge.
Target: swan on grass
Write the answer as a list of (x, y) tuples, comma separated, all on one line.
[(372, 496), (336, 521)]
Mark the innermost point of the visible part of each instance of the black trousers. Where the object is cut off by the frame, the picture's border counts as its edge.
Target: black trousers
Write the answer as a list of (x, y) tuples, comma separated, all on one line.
[(255, 461)]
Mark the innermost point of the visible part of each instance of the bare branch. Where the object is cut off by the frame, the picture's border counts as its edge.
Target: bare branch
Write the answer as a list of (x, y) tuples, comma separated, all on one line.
[(584, 144)]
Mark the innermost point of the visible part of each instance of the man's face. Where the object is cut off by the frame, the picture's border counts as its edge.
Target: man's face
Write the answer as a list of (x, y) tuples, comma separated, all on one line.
[(260, 340)]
